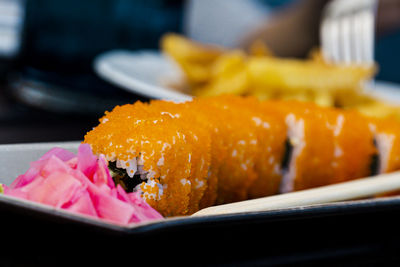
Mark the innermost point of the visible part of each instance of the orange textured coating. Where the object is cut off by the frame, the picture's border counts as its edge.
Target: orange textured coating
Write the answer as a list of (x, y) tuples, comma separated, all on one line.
[(229, 148), (354, 146), (387, 136), (323, 138), (131, 131), (268, 134), (210, 118), (196, 134), (237, 171), (312, 139), (338, 145), (200, 118), (388, 132)]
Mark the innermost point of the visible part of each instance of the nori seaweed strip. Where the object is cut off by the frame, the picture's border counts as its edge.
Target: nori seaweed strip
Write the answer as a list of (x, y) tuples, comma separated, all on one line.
[(374, 165), (122, 178), (287, 155)]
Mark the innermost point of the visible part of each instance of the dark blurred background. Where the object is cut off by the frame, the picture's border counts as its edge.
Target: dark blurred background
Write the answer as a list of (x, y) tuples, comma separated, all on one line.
[(49, 91)]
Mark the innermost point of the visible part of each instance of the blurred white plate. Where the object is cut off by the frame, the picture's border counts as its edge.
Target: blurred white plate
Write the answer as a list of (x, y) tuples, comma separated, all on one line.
[(387, 91), (147, 73), (144, 72)]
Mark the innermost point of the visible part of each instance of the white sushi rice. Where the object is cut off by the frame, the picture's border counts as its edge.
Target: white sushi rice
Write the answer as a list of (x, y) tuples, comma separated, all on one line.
[(135, 167), (296, 138), (130, 166), (384, 144), (152, 184)]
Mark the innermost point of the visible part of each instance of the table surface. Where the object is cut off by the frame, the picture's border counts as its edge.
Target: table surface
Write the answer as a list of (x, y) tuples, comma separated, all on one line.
[(20, 123), (26, 118)]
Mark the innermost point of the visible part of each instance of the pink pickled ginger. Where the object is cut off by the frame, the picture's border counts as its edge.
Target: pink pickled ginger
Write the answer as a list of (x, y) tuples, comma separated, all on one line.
[(80, 183)]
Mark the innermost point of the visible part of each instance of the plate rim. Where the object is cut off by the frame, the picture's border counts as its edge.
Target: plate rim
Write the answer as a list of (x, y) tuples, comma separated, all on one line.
[(327, 209), (103, 68)]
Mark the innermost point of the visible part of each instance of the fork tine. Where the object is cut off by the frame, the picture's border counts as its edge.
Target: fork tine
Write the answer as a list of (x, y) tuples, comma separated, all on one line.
[(367, 36), (326, 42), (331, 34), (356, 33), (345, 40), (347, 31)]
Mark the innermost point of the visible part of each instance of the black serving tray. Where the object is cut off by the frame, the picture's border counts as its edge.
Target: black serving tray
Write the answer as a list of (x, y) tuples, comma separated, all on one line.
[(363, 232)]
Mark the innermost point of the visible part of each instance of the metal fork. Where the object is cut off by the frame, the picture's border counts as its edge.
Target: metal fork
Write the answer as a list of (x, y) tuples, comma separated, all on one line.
[(347, 31)]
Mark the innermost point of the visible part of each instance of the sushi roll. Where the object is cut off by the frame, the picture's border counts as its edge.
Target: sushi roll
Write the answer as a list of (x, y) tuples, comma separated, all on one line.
[(355, 152), (153, 151), (236, 144), (308, 146), (236, 172), (182, 157), (387, 141), (198, 134), (324, 146), (260, 149)]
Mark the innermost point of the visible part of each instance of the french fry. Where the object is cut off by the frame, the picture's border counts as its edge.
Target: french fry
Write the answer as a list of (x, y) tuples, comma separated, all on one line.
[(194, 58), (211, 70), (296, 75), (229, 76), (316, 55), (259, 49)]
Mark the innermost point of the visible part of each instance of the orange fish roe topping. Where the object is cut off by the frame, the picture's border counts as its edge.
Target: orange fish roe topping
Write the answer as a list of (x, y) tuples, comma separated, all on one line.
[(312, 144), (387, 138), (253, 154), (228, 148), (354, 146), (387, 135), (236, 172), (198, 136), (209, 119), (271, 135), (131, 131)]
